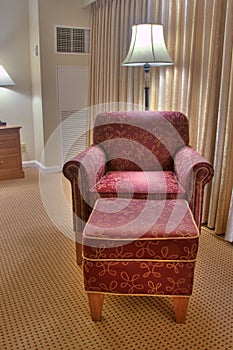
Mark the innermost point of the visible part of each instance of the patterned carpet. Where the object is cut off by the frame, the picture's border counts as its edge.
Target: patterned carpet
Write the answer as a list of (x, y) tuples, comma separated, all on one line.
[(44, 306)]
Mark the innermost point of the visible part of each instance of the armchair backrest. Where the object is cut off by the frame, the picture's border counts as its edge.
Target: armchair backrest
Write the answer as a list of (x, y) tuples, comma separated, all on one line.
[(140, 140)]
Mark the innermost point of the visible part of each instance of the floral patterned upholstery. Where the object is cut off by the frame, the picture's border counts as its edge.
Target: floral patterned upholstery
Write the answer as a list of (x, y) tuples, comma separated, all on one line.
[(140, 140), (138, 185), (137, 154), (140, 247)]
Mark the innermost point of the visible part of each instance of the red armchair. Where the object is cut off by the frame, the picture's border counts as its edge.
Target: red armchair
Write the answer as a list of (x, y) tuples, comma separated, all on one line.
[(137, 154)]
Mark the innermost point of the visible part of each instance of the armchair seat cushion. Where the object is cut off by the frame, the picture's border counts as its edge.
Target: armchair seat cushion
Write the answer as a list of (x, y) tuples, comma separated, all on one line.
[(138, 185)]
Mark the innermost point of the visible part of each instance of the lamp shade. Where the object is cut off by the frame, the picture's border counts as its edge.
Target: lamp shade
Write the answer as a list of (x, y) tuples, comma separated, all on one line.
[(5, 79), (147, 46)]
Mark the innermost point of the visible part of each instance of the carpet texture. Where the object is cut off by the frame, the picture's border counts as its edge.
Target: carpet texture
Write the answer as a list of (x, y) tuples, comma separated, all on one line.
[(44, 306)]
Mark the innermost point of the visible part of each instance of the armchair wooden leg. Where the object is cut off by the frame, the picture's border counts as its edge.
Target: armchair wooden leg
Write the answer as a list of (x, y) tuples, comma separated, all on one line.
[(78, 247), (96, 301), (180, 308)]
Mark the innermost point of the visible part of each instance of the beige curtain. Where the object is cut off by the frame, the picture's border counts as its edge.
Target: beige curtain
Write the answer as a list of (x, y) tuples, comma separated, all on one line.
[(199, 36)]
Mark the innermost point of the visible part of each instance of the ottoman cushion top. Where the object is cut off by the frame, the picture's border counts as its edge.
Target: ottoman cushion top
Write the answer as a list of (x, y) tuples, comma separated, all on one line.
[(141, 229)]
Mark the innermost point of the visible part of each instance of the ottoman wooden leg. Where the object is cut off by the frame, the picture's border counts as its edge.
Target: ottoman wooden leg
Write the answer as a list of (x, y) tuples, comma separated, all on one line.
[(180, 308), (96, 301)]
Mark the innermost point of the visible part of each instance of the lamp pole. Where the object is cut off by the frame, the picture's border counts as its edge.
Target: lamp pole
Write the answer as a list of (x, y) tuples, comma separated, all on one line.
[(146, 84)]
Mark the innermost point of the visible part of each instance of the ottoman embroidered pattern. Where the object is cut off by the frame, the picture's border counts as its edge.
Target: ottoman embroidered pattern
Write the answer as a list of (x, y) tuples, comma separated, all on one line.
[(140, 247)]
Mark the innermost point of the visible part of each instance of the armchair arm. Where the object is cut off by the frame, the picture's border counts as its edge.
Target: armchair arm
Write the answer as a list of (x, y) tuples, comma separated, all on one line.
[(193, 172), (83, 171)]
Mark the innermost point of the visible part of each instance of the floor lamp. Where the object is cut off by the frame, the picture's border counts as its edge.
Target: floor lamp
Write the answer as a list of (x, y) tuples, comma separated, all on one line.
[(147, 48)]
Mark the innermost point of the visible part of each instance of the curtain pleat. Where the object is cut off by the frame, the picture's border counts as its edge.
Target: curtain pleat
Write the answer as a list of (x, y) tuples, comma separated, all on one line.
[(223, 156), (198, 34)]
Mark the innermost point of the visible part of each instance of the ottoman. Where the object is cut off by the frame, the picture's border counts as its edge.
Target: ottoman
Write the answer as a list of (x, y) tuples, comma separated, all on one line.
[(140, 247)]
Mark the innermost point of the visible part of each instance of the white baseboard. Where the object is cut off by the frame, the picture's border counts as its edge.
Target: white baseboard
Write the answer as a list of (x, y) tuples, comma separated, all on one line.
[(41, 167)]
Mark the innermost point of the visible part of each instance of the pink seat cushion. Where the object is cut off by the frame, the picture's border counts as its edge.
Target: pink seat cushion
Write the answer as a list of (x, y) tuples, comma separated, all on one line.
[(139, 185)]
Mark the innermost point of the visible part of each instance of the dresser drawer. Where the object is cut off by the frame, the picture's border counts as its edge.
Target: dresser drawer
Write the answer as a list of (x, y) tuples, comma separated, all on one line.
[(10, 153), (9, 144), (9, 162)]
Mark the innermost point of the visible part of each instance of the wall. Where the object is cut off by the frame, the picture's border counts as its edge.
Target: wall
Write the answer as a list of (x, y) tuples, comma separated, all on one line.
[(32, 102), (36, 79), (52, 13), (15, 102)]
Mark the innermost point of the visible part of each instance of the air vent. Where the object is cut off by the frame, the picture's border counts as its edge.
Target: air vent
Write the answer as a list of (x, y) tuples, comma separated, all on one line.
[(74, 126), (72, 40)]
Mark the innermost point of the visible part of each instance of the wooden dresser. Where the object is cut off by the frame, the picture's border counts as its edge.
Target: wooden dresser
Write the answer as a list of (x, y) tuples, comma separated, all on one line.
[(10, 153)]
